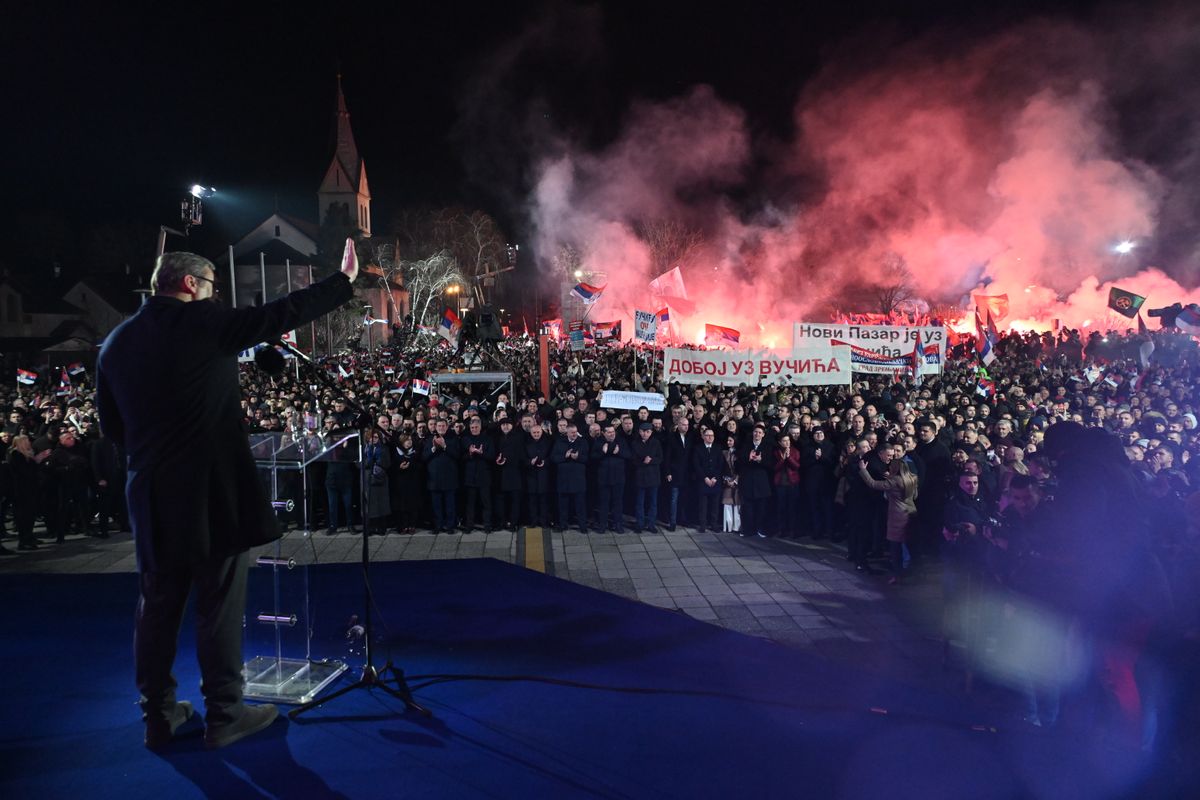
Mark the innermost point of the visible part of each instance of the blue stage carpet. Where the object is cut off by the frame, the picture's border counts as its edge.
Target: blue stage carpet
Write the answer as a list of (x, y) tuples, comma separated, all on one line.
[(715, 713)]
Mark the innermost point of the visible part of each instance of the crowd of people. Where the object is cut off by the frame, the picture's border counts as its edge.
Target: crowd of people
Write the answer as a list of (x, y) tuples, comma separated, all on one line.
[(1066, 471)]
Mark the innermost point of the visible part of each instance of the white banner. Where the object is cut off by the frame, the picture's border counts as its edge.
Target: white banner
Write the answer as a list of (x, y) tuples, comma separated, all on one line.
[(645, 326), (632, 400), (811, 366), (877, 349)]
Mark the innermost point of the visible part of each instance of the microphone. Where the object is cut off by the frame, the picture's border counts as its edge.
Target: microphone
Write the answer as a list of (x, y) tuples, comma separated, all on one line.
[(269, 360)]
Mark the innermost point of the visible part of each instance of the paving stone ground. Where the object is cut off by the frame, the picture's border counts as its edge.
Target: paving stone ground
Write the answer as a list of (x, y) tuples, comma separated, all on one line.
[(798, 593)]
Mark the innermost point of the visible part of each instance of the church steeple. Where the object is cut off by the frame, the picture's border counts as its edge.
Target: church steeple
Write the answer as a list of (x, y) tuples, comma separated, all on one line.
[(345, 180)]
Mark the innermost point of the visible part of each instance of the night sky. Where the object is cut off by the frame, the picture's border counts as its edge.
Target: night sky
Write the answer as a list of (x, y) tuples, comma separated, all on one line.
[(112, 115)]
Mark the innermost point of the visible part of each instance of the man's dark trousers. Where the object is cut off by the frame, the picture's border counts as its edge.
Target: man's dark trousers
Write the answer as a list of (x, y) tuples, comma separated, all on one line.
[(220, 603)]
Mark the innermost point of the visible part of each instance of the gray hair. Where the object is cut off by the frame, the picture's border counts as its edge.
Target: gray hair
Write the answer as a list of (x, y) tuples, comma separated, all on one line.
[(170, 269)]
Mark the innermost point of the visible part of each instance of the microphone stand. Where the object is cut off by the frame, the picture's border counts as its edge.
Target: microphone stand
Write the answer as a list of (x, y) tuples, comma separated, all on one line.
[(371, 678)]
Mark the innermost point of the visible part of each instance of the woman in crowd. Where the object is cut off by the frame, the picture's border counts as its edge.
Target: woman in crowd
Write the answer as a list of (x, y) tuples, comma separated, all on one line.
[(377, 461), (731, 499), (408, 483), (899, 487), (785, 480)]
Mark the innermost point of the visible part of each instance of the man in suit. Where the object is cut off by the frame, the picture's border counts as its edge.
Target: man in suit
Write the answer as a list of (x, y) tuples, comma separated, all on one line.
[(612, 456), (570, 456), (647, 456), (675, 470), (442, 453), (168, 395), (707, 470)]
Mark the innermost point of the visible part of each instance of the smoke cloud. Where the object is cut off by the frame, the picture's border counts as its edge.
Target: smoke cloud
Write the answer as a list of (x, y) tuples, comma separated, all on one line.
[(1004, 165)]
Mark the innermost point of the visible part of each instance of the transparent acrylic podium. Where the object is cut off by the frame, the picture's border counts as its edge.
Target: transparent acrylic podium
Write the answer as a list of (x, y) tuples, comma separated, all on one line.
[(287, 672)]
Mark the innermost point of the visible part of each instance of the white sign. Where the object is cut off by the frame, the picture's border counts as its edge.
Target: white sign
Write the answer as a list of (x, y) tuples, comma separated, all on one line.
[(811, 366), (645, 326), (633, 400), (878, 349)]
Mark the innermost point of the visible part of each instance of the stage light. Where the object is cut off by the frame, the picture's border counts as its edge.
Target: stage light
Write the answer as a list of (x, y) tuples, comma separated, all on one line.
[(578, 274), (1124, 248), (201, 192)]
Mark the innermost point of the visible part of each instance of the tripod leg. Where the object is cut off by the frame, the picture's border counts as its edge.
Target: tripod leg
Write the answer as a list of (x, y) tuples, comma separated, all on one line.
[(317, 702)]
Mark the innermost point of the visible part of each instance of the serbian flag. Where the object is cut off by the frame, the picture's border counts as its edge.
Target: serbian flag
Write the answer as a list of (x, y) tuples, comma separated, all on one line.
[(420, 387), (587, 293), (342, 373), (27, 377), (984, 343), (76, 368), (64, 382), (607, 330), (449, 327), (1188, 320), (720, 336), (918, 357)]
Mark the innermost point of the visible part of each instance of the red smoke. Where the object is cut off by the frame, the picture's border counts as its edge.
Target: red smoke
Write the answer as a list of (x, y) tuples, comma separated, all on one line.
[(992, 168)]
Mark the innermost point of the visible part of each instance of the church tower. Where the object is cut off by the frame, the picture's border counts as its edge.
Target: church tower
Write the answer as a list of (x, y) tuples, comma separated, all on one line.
[(345, 181)]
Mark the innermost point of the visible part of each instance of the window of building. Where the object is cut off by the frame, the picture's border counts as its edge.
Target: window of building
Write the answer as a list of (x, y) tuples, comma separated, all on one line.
[(13, 312), (276, 231)]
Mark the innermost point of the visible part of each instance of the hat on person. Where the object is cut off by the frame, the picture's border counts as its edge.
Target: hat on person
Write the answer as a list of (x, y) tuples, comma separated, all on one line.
[(645, 426)]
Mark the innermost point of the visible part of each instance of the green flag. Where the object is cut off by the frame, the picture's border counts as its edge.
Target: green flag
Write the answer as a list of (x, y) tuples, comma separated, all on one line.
[(1124, 303)]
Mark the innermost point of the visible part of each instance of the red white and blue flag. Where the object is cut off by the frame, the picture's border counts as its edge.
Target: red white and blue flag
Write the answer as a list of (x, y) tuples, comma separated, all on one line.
[(449, 327), (76, 369), (27, 377), (985, 342), (1188, 320), (720, 336), (607, 330), (420, 387), (586, 293)]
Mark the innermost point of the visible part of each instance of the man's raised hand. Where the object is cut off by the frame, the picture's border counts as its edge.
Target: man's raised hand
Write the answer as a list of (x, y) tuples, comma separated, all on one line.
[(350, 260)]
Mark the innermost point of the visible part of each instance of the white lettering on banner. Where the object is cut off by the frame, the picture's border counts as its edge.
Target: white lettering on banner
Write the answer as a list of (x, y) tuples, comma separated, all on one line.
[(812, 366), (632, 400), (889, 341)]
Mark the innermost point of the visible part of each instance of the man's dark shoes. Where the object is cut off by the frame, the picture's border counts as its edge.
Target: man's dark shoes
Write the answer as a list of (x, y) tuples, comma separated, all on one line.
[(255, 719), (160, 731)]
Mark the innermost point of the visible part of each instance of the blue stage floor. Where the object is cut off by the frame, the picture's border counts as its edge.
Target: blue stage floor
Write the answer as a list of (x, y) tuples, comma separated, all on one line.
[(680, 708)]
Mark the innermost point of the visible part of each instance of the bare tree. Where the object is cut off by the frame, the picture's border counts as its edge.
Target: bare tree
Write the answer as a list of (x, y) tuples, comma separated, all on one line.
[(895, 285), (569, 259), (472, 238), (426, 279), (670, 242)]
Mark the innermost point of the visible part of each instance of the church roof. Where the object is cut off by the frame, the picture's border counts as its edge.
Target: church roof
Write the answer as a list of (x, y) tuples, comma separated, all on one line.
[(345, 148)]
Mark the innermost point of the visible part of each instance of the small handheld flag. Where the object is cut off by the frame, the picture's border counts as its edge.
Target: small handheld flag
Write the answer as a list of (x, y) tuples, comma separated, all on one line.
[(26, 377), (449, 327), (420, 387)]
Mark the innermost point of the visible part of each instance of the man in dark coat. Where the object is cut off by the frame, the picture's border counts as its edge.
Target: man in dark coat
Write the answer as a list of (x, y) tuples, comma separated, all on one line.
[(510, 459), (708, 467), (168, 396), (675, 471), (754, 479), (570, 456), (441, 464), (611, 457), (479, 451), (537, 474), (647, 459)]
